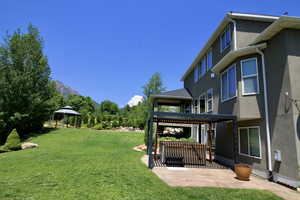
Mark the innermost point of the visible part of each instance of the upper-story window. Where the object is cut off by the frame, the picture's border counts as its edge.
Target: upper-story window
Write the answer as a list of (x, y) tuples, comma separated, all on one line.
[(209, 60), (249, 76), (228, 83), (196, 74), (225, 39), (210, 100), (202, 67)]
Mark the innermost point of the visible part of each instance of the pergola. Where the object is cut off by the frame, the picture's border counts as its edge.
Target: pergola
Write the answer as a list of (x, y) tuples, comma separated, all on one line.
[(188, 118), (66, 112)]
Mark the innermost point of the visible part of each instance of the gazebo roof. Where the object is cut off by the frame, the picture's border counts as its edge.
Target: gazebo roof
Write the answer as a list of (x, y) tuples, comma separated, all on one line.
[(68, 110)]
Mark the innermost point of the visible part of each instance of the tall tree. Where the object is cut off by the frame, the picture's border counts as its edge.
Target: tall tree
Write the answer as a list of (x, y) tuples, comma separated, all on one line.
[(154, 86), (109, 107), (25, 85)]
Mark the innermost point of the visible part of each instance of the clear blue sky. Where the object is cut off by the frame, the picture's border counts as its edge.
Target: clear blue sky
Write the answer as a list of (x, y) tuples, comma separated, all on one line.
[(109, 49)]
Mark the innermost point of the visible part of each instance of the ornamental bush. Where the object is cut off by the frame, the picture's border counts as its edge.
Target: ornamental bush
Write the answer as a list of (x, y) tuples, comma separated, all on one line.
[(13, 142)]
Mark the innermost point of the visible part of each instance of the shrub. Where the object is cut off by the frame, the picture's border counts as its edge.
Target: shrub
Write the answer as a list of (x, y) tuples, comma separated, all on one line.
[(13, 141)]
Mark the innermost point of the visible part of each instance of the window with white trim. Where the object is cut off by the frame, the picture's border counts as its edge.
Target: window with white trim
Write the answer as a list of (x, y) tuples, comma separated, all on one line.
[(196, 74), (225, 39), (209, 60), (210, 100), (249, 141), (228, 83), (202, 103), (249, 76)]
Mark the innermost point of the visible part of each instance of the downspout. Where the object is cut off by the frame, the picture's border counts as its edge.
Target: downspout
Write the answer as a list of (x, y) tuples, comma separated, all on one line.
[(234, 33), (266, 114)]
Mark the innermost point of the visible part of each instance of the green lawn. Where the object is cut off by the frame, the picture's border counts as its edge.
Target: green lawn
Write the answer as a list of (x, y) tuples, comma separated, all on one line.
[(88, 164)]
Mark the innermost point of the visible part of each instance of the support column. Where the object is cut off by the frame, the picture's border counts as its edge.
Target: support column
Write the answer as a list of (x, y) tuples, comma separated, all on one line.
[(210, 141), (235, 140), (156, 140), (150, 144)]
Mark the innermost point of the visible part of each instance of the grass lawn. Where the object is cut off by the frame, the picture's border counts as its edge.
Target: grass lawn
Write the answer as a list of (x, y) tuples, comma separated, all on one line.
[(89, 164)]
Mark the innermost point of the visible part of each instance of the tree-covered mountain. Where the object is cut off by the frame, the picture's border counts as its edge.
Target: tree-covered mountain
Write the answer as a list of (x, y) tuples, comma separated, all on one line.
[(64, 89)]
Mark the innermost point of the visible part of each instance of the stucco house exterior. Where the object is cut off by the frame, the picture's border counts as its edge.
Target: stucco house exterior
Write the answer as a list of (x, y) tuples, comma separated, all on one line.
[(250, 68)]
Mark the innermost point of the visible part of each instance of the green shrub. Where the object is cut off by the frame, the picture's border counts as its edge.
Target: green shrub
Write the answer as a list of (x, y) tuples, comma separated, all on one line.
[(98, 126), (13, 141)]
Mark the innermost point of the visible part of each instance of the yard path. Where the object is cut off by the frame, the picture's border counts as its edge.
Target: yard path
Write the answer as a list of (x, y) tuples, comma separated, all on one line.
[(224, 178)]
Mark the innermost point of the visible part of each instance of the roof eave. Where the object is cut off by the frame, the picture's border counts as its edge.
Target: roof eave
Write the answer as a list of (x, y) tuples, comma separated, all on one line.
[(232, 55), (256, 17), (282, 23), (208, 44)]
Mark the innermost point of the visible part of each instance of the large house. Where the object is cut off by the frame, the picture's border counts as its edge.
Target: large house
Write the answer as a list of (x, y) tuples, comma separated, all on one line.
[(249, 68)]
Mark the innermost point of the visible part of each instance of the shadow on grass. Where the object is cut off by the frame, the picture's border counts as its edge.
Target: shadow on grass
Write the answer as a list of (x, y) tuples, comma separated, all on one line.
[(43, 131)]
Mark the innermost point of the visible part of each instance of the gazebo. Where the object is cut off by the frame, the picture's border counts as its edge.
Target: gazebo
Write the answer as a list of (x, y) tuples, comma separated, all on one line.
[(64, 113)]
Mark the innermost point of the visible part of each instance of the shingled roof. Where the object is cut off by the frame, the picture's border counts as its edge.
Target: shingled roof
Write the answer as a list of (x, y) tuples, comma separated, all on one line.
[(174, 94)]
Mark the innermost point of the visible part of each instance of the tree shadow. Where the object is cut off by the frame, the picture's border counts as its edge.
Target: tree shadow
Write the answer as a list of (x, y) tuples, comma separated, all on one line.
[(43, 131)]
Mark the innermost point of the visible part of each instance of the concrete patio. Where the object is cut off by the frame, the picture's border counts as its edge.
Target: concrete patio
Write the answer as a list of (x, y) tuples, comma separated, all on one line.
[(204, 177)]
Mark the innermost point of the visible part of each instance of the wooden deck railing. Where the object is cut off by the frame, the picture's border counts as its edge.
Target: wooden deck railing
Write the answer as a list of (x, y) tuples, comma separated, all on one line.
[(182, 153)]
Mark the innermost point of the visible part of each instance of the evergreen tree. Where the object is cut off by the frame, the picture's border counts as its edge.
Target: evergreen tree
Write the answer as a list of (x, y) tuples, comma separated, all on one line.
[(25, 86)]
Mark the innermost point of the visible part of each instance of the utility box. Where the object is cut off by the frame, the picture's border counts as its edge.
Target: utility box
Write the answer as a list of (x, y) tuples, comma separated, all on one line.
[(277, 155)]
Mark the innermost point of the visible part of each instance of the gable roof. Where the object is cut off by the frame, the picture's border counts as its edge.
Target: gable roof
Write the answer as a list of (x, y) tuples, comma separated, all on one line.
[(228, 18)]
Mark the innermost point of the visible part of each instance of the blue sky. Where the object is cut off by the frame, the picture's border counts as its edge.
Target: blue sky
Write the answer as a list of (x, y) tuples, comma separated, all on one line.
[(109, 49)]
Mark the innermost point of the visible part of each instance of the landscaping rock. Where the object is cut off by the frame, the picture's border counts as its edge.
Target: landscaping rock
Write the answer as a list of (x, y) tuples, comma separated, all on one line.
[(140, 148), (28, 145)]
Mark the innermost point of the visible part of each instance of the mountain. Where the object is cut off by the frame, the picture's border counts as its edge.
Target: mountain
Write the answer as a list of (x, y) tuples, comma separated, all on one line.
[(64, 89)]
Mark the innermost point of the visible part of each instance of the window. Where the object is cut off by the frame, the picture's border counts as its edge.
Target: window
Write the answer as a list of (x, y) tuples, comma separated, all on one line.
[(202, 66), (249, 76), (225, 39), (228, 83), (202, 103), (210, 100), (209, 60), (187, 108), (196, 74), (195, 106), (249, 141)]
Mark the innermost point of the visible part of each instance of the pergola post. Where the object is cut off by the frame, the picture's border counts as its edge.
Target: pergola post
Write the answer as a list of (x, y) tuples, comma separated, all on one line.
[(210, 141), (156, 140), (235, 140), (150, 144)]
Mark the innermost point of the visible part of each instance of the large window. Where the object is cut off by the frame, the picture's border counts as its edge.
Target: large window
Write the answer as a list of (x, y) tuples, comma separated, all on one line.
[(249, 141), (249, 76), (210, 100), (209, 60), (228, 83), (202, 103), (202, 67), (196, 74), (225, 39)]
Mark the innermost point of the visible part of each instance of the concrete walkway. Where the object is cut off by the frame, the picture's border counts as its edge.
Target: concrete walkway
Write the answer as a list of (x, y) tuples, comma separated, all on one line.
[(202, 177)]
